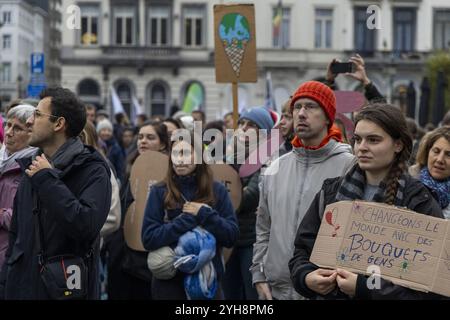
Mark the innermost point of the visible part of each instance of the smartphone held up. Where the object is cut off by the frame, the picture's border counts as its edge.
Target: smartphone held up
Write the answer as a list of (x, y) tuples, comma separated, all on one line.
[(342, 67)]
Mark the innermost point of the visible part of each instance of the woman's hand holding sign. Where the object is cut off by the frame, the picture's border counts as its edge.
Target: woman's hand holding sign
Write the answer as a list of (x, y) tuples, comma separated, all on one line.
[(346, 281), (322, 281)]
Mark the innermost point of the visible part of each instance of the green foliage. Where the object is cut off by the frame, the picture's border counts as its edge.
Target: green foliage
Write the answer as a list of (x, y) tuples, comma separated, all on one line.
[(439, 61)]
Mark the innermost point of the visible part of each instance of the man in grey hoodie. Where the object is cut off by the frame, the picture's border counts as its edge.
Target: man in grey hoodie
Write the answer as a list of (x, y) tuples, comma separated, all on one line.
[(290, 183)]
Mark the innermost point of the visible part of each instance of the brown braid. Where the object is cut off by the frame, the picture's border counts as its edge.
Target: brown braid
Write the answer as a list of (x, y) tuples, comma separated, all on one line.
[(398, 168)]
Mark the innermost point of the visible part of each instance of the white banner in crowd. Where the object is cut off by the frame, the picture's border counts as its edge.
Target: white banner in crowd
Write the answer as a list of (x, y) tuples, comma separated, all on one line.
[(115, 101), (136, 109)]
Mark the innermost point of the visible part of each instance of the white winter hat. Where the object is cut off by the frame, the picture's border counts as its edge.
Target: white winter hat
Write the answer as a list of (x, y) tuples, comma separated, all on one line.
[(104, 124)]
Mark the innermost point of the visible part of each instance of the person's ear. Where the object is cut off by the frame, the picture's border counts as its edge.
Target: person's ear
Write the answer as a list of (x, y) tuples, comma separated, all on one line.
[(59, 124), (398, 146)]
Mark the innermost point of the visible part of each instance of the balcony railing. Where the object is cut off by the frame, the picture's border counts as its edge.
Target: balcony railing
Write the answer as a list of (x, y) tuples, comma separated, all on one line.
[(398, 57), (146, 53)]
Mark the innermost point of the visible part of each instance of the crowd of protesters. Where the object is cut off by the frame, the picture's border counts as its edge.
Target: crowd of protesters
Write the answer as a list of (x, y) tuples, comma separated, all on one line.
[(65, 191)]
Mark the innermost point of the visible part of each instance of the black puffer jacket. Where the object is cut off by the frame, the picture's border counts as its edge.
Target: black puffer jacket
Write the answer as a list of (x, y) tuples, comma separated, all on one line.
[(416, 198)]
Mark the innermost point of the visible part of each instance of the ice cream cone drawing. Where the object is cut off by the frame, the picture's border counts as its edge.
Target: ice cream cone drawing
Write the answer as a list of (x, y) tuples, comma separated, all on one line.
[(234, 32)]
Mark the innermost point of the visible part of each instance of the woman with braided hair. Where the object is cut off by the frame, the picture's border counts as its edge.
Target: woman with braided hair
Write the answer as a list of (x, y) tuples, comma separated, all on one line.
[(382, 145)]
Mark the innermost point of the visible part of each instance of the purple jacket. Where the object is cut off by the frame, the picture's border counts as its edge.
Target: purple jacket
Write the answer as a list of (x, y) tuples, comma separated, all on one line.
[(9, 182)]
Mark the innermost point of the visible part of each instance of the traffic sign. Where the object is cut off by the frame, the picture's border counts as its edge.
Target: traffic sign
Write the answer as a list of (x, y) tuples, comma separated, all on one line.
[(37, 63), (33, 91)]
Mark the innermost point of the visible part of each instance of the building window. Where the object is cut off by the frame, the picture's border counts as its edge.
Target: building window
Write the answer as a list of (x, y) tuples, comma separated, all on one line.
[(6, 17), (364, 37), (404, 29), (6, 41), (89, 91), (89, 24), (124, 26), (194, 24), (5, 72), (324, 22), (158, 99), (159, 24), (442, 29), (88, 87), (281, 27)]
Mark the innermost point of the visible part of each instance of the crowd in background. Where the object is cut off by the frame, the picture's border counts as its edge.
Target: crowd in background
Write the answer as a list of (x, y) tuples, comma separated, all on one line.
[(387, 159)]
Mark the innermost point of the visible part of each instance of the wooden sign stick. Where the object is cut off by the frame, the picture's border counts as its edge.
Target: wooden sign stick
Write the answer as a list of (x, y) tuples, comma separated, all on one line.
[(235, 104)]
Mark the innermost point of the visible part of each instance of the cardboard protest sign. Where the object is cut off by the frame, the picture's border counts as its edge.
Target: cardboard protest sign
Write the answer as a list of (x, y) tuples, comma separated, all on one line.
[(411, 249), (151, 168), (230, 179), (235, 43), (148, 169)]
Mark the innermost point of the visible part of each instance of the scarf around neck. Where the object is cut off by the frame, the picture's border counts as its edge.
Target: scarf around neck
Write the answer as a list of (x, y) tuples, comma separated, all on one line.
[(67, 152), (334, 133), (354, 182), (440, 188)]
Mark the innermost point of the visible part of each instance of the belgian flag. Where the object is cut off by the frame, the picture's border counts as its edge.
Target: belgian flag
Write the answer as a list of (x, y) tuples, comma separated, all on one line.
[(277, 18)]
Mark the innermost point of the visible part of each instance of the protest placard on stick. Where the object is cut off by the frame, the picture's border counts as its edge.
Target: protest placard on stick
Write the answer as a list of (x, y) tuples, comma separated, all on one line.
[(235, 47)]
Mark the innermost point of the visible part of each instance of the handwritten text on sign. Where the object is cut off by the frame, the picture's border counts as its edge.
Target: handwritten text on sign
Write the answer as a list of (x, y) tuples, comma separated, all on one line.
[(410, 248)]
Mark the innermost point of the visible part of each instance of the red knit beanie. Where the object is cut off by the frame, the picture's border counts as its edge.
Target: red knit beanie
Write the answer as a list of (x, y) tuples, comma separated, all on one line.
[(320, 93)]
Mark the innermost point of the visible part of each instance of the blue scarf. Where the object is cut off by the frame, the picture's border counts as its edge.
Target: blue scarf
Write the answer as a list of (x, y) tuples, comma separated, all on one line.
[(440, 188), (194, 254)]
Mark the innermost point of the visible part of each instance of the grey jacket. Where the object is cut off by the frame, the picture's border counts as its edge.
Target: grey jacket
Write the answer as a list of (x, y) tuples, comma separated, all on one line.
[(287, 189)]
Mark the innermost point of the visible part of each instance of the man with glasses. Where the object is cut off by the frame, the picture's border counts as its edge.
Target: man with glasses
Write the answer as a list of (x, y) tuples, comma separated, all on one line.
[(15, 147), (61, 203), (290, 183)]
